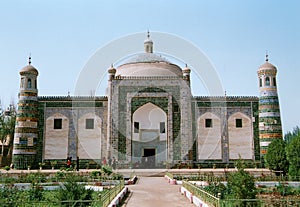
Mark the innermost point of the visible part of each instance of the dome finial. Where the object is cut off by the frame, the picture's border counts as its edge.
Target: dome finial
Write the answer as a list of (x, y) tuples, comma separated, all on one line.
[(267, 56), (148, 44), (29, 59)]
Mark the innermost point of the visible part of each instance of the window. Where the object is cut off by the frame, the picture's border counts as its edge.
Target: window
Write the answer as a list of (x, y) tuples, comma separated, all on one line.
[(274, 81), (35, 83), (89, 123), (136, 127), (260, 82), (29, 83), (238, 123), (162, 129), (208, 123), (176, 108), (22, 82), (57, 123), (267, 81)]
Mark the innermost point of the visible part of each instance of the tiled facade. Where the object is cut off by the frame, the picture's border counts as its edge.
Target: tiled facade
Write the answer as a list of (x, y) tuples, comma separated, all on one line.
[(176, 126)]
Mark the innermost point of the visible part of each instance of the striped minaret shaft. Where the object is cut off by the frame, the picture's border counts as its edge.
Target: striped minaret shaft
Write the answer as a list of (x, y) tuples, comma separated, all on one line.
[(269, 111), (26, 131)]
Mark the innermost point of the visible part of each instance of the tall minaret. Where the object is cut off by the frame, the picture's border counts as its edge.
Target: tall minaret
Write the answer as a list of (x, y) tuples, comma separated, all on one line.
[(26, 131), (111, 77), (269, 111)]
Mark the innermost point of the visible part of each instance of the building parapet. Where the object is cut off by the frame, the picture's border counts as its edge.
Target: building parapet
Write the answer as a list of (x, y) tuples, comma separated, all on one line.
[(225, 98), (72, 98), (150, 77)]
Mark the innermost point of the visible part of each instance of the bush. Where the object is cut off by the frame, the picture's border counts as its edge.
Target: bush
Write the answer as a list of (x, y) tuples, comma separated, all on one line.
[(73, 191), (276, 157), (241, 184), (35, 193), (107, 169), (7, 168), (216, 188), (293, 156)]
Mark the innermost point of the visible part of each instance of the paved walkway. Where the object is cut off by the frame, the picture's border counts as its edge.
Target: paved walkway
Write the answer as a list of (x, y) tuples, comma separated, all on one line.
[(155, 191)]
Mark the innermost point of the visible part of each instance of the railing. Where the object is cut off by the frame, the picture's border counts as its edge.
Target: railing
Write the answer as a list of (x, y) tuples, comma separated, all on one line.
[(259, 203), (170, 175), (217, 202), (201, 194), (51, 203), (108, 196), (104, 200)]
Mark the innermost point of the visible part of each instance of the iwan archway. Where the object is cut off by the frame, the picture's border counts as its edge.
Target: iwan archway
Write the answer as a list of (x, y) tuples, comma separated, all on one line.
[(149, 136)]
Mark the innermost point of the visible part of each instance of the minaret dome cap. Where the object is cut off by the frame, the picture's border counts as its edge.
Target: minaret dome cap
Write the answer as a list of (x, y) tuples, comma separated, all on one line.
[(29, 69)]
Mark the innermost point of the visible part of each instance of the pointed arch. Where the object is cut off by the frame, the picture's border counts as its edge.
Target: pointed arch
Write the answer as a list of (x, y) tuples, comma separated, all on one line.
[(209, 138), (56, 137), (240, 136), (149, 116), (89, 136)]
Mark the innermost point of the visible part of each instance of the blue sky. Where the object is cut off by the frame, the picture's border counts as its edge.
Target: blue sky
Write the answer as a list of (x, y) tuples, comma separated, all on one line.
[(62, 35)]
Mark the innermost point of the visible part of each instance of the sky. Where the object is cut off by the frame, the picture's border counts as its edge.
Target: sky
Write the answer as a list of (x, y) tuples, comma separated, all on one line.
[(62, 35)]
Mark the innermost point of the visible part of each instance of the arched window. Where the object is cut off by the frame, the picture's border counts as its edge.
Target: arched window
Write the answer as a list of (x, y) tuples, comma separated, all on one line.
[(35, 83), (260, 82), (274, 81), (22, 82), (267, 81), (29, 83)]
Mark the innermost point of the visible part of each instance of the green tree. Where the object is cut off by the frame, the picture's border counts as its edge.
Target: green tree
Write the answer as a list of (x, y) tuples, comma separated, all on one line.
[(7, 126), (289, 136), (293, 156), (72, 191), (276, 156), (240, 185)]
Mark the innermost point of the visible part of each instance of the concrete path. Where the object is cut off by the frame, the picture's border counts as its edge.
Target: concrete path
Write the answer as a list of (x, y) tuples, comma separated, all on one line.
[(156, 192)]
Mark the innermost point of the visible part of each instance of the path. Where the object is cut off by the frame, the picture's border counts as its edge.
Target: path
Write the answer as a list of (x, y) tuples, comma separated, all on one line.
[(155, 191)]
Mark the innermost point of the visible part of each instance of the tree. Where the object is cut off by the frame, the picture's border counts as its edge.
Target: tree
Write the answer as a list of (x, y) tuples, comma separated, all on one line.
[(293, 156), (71, 191), (289, 136), (276, 156), (7, 130), (241, 185), (7, 126)]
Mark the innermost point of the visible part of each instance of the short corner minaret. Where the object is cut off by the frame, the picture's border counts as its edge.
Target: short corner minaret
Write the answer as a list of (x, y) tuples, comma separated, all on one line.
[(186, 73), (26, 129), (269, 111), (148, 44)]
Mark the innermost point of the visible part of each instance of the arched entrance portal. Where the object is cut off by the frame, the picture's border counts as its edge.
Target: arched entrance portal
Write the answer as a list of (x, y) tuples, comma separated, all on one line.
[(149, 137)]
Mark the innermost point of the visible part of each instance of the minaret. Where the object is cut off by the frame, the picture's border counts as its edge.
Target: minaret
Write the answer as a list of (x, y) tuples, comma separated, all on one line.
[(26, 131), (186, 74), (111, 77), (269, 111)]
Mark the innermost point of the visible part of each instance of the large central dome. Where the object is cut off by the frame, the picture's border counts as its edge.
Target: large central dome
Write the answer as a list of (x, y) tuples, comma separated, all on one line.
[(148, 64)]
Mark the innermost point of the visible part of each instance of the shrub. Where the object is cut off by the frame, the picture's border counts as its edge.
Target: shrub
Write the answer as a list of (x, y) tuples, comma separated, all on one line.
[(241, 184), (72, 191), (7, 168), (107, 169)]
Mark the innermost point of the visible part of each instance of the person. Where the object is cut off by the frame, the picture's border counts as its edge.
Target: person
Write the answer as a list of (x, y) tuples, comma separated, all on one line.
[(109, 161), (77, 164), (104, 161), (69, 162), (114, 163)]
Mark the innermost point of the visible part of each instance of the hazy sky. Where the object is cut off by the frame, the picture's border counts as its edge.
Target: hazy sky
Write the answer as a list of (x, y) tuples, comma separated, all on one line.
[(62, 35)]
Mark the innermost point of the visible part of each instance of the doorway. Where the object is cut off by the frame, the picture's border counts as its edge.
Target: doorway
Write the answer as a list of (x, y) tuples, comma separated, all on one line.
[(148, 160)]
